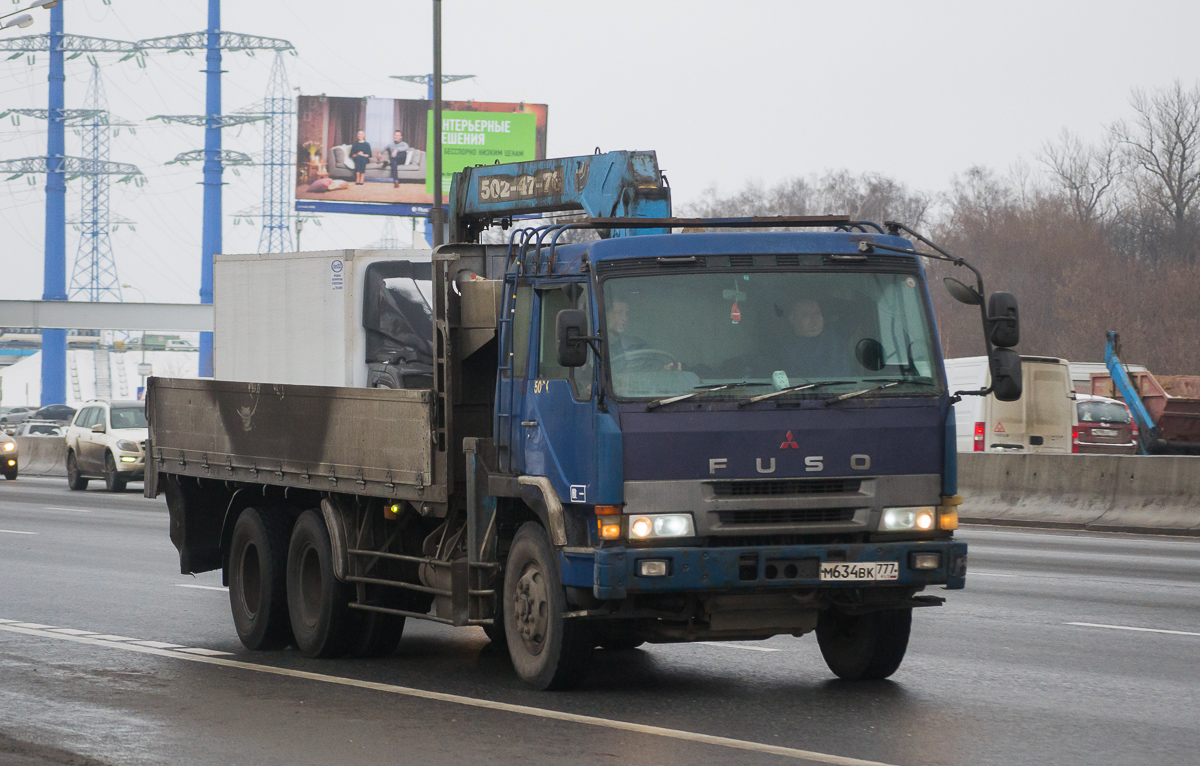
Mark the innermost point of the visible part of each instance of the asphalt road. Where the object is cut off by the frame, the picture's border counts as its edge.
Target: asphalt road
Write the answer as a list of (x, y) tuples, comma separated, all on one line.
[(1065, 648)]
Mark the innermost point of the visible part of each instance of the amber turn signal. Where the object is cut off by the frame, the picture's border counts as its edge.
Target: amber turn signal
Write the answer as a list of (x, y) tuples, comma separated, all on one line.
[(610, 528)]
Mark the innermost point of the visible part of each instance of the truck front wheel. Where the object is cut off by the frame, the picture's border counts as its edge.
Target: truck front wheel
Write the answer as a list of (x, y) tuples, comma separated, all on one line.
[(548, 651), (257, 580), (317, 602), (864, 646)]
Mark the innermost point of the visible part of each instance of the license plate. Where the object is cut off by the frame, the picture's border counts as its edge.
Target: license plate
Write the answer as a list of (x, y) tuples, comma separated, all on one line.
[(1104, 432), (877, 570)]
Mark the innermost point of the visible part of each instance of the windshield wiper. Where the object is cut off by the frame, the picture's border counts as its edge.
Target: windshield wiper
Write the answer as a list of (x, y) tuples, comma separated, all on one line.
[(873, 389), (699, 390), (789, 389)]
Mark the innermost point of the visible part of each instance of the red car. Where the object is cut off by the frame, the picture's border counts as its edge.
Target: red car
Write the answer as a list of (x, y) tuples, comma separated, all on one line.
[(1104, 426)]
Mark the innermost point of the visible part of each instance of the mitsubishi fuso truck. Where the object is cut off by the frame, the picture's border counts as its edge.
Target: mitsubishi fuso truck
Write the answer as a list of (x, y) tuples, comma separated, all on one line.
[(679, 430)]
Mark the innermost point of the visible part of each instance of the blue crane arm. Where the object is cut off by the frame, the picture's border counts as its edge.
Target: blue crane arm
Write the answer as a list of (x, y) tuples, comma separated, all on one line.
[(611, 185), (1148, 430)]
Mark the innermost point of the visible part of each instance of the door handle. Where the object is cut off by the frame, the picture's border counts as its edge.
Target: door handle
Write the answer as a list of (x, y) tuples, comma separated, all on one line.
[(529, 423)]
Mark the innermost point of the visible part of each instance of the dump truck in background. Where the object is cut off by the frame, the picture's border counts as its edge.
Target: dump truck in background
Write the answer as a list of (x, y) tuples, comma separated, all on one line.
[(1166, 408), (597, 444)]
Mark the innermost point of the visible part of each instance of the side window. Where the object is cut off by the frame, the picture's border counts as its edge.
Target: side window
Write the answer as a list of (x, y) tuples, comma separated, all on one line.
[(574, 296), (520, 330), (84, 418)]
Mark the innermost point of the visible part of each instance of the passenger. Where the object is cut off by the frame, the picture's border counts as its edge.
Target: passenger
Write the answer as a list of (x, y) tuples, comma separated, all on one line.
[(813, 349)]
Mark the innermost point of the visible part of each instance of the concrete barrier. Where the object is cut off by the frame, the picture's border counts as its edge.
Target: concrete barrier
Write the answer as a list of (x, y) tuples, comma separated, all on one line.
[(1125, 493), (41, 455)]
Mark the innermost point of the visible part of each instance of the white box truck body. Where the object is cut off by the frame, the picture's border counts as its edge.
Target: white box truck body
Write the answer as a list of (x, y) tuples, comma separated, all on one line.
[(297, 318), (1042, 420)]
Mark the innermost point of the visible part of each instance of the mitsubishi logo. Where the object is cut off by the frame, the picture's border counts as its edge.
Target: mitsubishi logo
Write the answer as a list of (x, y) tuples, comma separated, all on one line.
[(789, 442)]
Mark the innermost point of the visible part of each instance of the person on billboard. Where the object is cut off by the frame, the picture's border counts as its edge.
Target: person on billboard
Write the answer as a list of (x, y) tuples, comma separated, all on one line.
[(360, 152), (397, 152)]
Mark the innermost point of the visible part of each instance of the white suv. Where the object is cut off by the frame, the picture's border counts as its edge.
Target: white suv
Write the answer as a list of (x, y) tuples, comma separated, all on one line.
[(107, 440)]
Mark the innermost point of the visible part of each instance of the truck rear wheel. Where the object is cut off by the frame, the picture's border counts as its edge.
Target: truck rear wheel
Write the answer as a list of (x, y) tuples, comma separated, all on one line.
[(864, 646), (376, 634), (257, 580), (318, 603), (548, 651)]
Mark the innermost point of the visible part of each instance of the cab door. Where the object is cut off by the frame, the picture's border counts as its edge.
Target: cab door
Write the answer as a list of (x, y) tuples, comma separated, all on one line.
[(559, 420)]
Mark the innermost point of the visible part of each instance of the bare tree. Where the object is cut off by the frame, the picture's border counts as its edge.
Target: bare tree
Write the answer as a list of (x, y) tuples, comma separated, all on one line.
[(1162, 146), (1084, 173)]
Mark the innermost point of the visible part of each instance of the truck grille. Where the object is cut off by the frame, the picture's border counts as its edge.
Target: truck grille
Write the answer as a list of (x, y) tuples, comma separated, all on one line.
[(777, 487), (789, 516)]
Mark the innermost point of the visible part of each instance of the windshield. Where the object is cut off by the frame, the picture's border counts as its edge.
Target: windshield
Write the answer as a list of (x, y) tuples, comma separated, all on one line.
[(128, 417), (1102, 412), (669, 334)]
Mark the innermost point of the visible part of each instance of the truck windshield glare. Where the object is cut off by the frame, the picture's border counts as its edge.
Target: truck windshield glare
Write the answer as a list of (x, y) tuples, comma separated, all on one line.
[(669, 334)]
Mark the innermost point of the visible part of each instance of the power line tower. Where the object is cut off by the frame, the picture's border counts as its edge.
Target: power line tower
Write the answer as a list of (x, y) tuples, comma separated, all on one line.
[(388, 239), (57, 166), (213, 41), (95, 273), (278, 110)]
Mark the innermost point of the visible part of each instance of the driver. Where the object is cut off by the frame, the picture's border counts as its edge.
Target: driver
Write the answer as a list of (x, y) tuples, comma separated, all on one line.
[(813, 349), (622, 344)]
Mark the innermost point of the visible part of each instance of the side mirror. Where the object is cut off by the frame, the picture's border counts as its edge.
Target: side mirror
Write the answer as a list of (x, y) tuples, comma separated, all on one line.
[(99, 428), (962, 293), (869, 353), (571, 326), (1004, 321), (1006, 374)]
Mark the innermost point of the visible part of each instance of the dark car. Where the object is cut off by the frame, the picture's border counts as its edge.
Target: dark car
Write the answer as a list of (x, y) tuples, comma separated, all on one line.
[(58, 413), (1105, 426)]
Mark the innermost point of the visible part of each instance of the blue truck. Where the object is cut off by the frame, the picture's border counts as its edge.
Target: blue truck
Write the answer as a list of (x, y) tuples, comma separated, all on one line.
[(677, 430)]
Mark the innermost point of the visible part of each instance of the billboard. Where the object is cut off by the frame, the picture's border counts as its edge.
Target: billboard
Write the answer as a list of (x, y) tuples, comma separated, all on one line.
[(368, 155)]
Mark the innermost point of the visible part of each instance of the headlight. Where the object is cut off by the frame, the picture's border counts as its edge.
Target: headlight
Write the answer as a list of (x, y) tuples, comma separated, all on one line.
[(907, 519), (127, 446), (10, 446), (661, 525)]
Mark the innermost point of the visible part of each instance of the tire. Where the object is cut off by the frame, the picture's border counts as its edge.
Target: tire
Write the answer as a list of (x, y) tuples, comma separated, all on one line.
[(112, 480), (76, 482), (258, 580), (11, 475), (318, 604), (866, 646), (548, 651), (374, 634)]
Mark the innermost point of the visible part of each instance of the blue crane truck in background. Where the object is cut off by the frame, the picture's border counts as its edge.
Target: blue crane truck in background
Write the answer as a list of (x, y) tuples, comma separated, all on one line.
[(717, 434)]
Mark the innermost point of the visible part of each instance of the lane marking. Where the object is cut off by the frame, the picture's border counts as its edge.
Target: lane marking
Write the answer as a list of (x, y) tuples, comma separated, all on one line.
[(202, 587), (15, 532), (977, 573), (159, 644), (1127, 627), (727, 645), (32, 625), (73, 632), (456, 699), (207, 652), (61, 508), (113, 638)]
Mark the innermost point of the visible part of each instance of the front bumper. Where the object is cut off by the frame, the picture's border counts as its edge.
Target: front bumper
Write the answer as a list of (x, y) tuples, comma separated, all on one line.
[(131, 471), (612, 573)]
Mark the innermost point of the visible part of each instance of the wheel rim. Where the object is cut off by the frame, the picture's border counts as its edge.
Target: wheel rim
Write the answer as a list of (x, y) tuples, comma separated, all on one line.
[(310, 585), (250, 577), (111, 467), (72, 469), (531, 608)]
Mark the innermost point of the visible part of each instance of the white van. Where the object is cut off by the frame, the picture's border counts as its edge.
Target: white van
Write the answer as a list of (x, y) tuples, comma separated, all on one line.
[(1042, 420)]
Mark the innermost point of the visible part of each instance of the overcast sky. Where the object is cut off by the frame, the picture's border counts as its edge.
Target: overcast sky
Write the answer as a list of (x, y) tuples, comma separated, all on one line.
[(726, 93)]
